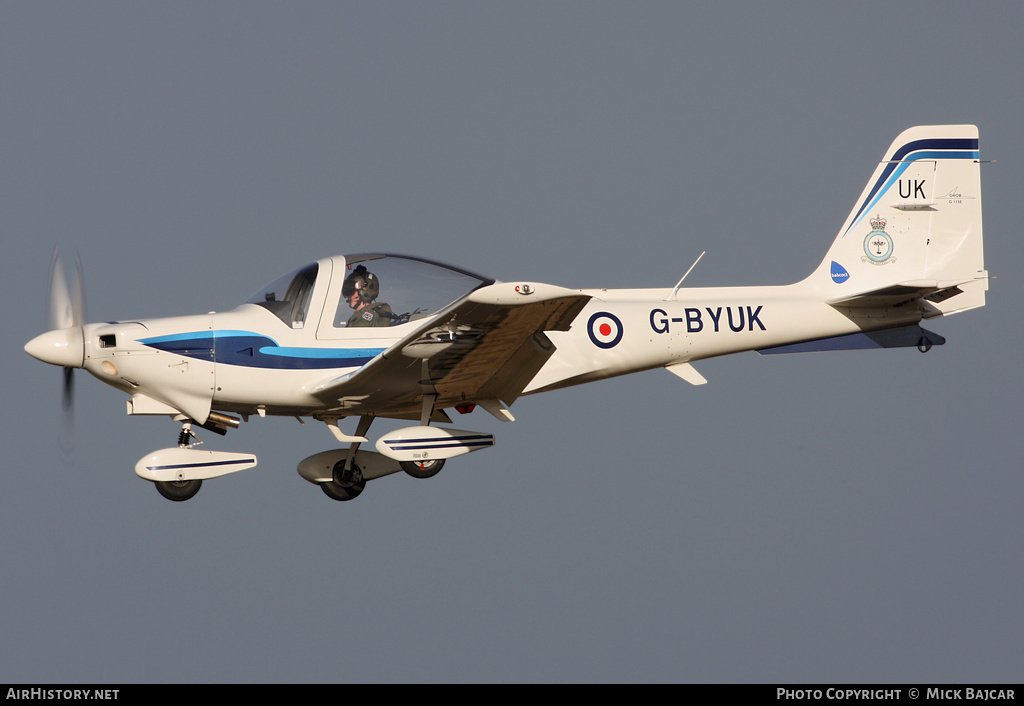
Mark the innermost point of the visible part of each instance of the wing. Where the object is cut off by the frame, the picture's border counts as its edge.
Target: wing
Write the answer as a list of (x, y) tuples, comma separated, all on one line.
[(485, 347)]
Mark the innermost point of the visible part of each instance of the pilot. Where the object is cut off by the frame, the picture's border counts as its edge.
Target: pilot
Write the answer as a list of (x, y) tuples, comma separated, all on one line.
[(360, 290)]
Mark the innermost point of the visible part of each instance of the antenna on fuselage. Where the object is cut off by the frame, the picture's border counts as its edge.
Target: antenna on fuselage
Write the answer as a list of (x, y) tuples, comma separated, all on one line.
[(672, 297)]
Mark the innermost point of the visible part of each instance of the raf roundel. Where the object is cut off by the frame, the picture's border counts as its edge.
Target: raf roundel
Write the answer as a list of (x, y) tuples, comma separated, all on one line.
[(605, 329)]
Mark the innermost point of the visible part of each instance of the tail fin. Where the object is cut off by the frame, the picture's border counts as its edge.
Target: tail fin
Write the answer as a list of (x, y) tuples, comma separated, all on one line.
[(916, 228)]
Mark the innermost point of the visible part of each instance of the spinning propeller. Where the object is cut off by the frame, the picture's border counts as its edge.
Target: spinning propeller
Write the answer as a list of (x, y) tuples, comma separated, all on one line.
[(64, 343)]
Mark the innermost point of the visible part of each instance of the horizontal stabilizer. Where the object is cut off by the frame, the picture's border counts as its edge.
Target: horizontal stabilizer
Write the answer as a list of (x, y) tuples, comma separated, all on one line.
[(903, 337), (899, 294)]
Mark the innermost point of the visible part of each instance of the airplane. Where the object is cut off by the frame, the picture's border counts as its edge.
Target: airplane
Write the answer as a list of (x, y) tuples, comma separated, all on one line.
[(400, 337)]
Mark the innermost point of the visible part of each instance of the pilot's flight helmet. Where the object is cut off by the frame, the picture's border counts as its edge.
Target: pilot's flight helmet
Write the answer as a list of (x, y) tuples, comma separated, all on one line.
[(362, 281)]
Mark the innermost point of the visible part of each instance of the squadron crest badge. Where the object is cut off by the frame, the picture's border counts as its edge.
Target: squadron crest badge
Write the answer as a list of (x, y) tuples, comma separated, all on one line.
[(878, 245)]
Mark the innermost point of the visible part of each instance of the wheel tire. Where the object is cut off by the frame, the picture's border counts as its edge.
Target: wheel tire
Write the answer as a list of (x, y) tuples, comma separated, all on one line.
[(178, 490), (337, 492), (345, 486), (422, 469)]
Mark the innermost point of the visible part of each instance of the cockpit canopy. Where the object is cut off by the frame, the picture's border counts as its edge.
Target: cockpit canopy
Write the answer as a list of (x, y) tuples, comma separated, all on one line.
[(405, 289), (288, 297)]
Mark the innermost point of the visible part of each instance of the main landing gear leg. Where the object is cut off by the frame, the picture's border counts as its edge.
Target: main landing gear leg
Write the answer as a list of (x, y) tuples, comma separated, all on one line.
[(428, 409), (348, 481), (424, 468)]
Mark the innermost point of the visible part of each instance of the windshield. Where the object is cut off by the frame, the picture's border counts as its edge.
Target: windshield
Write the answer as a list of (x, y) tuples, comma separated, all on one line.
[(387, 290), (288, 297)]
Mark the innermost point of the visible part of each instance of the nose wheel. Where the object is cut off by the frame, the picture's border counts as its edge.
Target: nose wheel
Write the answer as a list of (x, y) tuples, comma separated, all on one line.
[(181, 490), (178, 490)]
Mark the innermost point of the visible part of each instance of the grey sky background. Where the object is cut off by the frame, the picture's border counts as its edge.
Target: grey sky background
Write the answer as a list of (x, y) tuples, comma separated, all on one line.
[(834, 517)]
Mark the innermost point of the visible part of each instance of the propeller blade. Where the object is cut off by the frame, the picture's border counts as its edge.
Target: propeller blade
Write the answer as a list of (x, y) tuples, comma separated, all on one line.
[(77, 293), (61, 308), (68, 398), (67, 417)]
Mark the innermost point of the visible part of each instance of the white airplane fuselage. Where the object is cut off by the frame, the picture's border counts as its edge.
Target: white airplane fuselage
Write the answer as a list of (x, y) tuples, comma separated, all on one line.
[(216, 361)]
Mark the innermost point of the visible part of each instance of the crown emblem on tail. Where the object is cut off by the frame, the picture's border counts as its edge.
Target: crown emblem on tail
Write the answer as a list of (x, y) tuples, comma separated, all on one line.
[(878, 246)]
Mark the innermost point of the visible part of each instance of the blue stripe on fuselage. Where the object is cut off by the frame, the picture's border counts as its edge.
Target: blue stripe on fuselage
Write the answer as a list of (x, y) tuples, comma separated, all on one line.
[(253, 350)]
